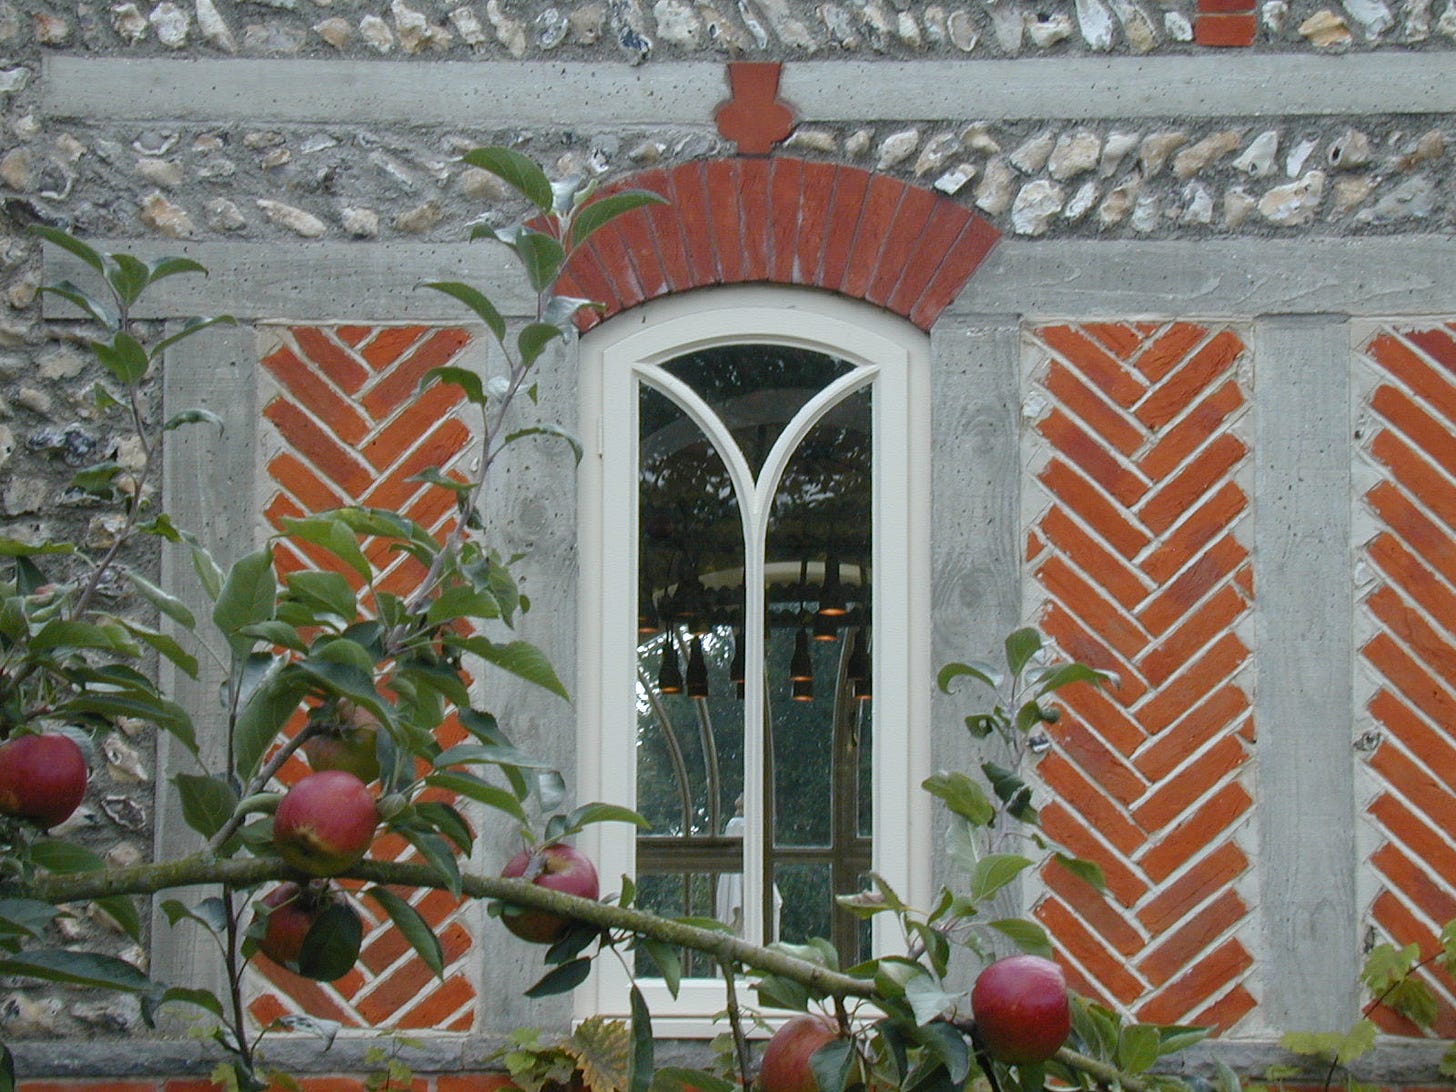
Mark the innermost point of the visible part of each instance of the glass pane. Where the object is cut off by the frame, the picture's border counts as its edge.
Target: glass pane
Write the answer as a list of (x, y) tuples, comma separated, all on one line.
[(805, 894), (671, 895), (757, 389)]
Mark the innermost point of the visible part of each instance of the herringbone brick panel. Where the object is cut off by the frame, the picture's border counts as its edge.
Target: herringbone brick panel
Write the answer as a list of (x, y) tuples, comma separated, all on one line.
[(1141, 561), (1410, 612), (351, 430)]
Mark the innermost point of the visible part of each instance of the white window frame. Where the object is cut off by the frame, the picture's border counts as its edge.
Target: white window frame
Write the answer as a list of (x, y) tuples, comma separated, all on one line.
[(886, 351)]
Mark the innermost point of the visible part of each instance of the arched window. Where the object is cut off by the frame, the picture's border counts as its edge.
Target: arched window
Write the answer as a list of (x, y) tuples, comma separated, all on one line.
[(755, 615)]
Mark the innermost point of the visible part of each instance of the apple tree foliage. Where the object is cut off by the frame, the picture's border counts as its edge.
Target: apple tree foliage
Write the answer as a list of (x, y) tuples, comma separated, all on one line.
[(390, 669)]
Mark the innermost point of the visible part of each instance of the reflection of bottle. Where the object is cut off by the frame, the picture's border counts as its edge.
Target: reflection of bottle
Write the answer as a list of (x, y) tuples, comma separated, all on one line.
[(729, 908)]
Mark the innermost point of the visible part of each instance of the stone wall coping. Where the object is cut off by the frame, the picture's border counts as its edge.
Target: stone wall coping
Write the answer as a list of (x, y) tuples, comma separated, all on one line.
[(491, 94)]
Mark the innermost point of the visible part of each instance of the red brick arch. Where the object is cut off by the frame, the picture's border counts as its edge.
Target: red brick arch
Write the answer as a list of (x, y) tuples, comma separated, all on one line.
[(781, 220)]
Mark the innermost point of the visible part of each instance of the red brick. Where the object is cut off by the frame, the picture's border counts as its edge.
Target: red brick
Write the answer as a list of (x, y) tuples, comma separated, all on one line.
[(1087, 800), (1431, 436), (352, 335), (1409, 827), (1107, 717), (782, 209), (902, 242), (398, 386), (976, 240), (1097, 912), (1125, 885), (1093, 408), (1080, 597), (389, 343), (1105, 372), (1119, 579), (814, 224), (473, 1082), (344, 369), (1196, 426), (1427, 538), (724, 180), (754, 119), (1122, 339), (1090, 455), (1437, 343), (1098, 761), (1174, 795), (1107, 968), (1206, 519), (1181, 387), (1434, 748), (1177, 949), (1415, 882), (752, 200), (1225, 7), (1104, 518), (1079, 643), (1412, 471), (872, 235), (585, 279), (319, 447), (689, 199), (190, 1085), (617, 251), (98, 1084), (1175, 900), (1165, 504), (1436, 389), (305, 486), (1213, 667), (1213, 567), (1193, 728), (849, 201), (306, 387), (1401, 613), (1168, 348), (662, 222), (943, 229), (1227, 1011), (1410, 679), (1199, 628), (1183, 842), (1198, 982), (1225, 30)]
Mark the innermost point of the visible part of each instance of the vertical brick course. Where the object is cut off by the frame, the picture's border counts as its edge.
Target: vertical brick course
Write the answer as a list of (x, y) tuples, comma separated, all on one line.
[(1139, 555)]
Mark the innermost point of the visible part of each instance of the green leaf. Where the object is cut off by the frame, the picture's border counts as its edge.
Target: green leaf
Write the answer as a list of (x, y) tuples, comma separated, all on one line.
[(100, 310), (77, 969), (1088, 871), (952, 671), (641, 1062), (995, 871), (1447, 1067), (127, 277), (1066, 674), (7, 1069), (520, 658), (263, 715), (209, 573), (438, 856), (961, 795), (124, 912), (448, 822), (338, 538), (1021, 646), (167, 715), (248, 595), (927, 999), (61, 633), (476, 300), (210, 913), (542, 257), (28, 917), (331, 945), (67, 241), (328, 590), (193, 416), (590, 218), (516, 170), (171, 266), (467, 379), (597, 812), (533, 339), (549, 429), (123, 357), (64, 858), (949, 1045), (192, 326), (473, 788), (202, 999), (1137, 1047), (167, 604), (666, 958), (562, 979), (414, 928), (207, 802), (832, 1064), (163, 644), (1413, 999), (1027, 935), (1386, 964)]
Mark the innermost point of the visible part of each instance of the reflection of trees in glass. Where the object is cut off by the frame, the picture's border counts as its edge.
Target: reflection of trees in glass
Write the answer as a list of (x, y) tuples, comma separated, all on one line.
[(691, 566)]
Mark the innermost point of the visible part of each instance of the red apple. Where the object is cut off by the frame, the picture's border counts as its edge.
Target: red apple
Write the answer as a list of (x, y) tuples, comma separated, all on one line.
[(42, 778), (325, 823), (292, 911), (559, 868), (1021, 1009), (785, 1066), (346, 744)]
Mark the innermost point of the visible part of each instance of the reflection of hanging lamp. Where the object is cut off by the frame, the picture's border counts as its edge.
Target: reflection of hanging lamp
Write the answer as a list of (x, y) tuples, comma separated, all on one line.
[(826, 627), (669, 675), (697, 671), (802, 690), (801, 667), (831, 595), (737, 670), (646, 614), (857, 670)]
